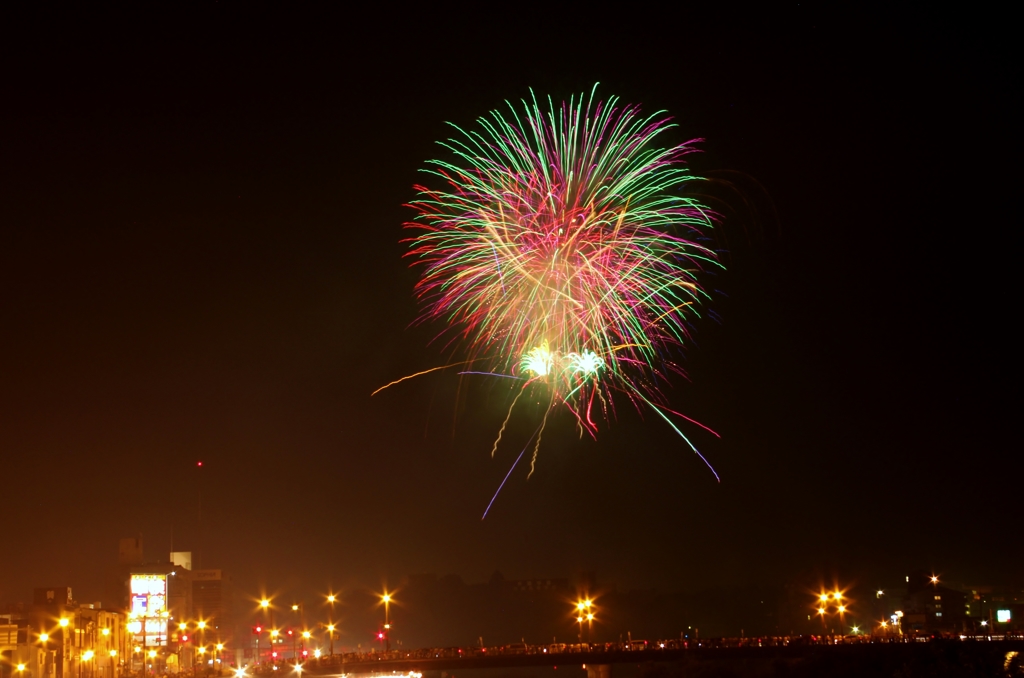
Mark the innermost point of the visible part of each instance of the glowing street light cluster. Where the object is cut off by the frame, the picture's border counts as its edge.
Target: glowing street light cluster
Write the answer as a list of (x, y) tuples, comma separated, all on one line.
[(585, 612), (306, 635), (832, 599)]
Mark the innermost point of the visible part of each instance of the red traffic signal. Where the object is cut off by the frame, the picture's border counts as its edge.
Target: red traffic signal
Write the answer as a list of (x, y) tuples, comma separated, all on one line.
[(184, 638), (257, 629), (274, 654), (305, 653), (380, 635), (289, 632)]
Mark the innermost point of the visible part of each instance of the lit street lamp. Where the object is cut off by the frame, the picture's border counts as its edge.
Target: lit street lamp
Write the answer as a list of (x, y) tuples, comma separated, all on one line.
[(86, 656)]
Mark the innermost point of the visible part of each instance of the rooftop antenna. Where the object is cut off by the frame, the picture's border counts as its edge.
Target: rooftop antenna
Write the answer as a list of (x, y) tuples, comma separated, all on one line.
[(199, 545)]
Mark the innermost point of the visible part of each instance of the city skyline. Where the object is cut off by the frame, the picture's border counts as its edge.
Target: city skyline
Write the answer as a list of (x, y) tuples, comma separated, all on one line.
[(426, 610)]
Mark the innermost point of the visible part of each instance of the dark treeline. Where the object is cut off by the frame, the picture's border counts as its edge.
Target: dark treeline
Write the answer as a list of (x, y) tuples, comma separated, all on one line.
[(443, 611)]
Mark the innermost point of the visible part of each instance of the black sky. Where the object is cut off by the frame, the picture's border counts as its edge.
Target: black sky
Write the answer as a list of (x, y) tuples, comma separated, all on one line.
[(200, 259)]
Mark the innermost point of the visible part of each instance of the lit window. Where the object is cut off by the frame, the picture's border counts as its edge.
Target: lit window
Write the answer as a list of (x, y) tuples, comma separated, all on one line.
[(938, 614), (938, 597)]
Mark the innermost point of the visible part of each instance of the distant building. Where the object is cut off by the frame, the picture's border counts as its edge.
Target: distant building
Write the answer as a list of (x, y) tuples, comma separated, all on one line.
[(539, 585), (930, 607), (212, 596), (57, 637), (1001, 609), (159, 600), (935, 609), (167, 600), (160, 612), (129, 551)]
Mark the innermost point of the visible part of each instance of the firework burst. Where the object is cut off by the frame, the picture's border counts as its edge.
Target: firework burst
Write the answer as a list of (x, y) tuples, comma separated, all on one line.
[(560, 248)]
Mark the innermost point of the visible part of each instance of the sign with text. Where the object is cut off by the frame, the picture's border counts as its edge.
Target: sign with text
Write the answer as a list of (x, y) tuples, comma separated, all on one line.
[(149, 603)]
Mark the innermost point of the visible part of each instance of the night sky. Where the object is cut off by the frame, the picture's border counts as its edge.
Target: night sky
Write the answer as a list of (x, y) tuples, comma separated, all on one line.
[(200, 259)]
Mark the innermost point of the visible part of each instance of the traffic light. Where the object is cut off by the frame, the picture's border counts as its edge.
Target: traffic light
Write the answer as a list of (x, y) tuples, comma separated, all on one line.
[(305, 653), (257, 629), (289, 632), (380, 635), (274, 654), (184, 637)]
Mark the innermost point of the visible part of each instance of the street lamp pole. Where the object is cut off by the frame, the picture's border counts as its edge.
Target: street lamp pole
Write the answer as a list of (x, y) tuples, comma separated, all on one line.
[(330, 625), (584, 611), (387, 624), (264, 605), (202, 641)]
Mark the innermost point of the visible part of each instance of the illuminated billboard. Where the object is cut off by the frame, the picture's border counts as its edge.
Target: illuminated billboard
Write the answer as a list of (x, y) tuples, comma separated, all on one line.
[(1002, 616), (148, 609)]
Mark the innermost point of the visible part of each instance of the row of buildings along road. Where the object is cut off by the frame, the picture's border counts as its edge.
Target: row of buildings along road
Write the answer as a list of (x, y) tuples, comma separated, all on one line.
[(172, 618)]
